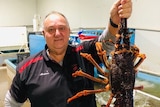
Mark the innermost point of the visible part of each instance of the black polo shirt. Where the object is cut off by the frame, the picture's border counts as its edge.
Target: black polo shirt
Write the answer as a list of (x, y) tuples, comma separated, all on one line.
[(48, 84)]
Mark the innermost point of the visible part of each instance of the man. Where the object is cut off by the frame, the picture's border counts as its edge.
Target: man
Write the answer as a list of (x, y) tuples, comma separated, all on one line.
[(46, 78)]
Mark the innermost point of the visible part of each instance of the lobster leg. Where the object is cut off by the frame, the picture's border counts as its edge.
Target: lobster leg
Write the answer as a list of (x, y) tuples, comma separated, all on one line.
[(110, 100), (81, 73), (102, 55), (87, 92), (89, 57), (142, 57)]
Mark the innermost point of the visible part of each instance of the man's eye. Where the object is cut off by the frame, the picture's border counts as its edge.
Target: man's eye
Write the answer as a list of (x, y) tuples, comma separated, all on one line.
[(62, 28), (51, 30)]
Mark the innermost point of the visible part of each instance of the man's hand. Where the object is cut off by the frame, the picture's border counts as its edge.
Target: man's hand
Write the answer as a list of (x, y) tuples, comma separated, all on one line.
[(121, 9)]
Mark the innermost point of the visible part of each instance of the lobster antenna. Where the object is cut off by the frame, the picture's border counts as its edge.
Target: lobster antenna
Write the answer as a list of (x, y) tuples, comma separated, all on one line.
[(125, 33), (124, 28)]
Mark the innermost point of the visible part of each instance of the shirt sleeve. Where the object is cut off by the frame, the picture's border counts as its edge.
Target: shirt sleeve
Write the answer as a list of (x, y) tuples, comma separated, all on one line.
[(108, 46), (10, 101), (18, 88)]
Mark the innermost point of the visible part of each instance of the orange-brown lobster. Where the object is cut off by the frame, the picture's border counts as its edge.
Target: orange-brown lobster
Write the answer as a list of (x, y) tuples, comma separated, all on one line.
[(122, 68)]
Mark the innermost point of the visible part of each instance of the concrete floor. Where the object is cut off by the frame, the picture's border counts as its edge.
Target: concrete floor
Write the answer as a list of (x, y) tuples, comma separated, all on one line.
[(5, 82)]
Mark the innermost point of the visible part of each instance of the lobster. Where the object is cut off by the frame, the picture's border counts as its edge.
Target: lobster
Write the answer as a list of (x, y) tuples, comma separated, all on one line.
[(122, 67)]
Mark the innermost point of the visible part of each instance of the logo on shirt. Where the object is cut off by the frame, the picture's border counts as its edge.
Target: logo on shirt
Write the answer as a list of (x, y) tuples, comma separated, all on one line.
[(44, 73), (75, 67), (78, 48)]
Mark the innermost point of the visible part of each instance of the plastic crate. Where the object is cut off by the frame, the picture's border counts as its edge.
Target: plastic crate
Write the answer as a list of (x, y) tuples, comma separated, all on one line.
[(22, 56), (36, 43)]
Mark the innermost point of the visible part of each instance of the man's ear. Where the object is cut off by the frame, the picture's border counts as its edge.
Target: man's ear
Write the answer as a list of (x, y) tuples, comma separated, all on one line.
[(43, 33)]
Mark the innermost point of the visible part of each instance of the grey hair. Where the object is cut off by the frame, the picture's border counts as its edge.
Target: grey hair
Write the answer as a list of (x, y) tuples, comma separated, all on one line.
[(58, 13)]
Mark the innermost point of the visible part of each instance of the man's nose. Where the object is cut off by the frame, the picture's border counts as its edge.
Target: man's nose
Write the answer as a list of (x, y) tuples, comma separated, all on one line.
[(57, 32)]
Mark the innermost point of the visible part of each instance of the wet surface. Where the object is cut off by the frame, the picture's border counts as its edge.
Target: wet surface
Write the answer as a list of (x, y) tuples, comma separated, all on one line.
[(148, 97), (140, 100), (149, 87)]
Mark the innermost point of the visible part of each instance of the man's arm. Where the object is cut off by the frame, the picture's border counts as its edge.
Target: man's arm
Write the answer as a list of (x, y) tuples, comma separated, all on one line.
[(10, 101), (120, 9)]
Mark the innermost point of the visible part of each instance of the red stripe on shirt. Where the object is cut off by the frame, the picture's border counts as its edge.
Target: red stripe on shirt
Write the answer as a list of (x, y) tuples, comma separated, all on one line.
[(78, 48), (29, 63)]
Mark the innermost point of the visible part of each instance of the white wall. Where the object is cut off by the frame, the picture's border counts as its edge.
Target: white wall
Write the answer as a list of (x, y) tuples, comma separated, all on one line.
[(149, 44), (17, 12), (80, 13), (94, 13), (146, 14)]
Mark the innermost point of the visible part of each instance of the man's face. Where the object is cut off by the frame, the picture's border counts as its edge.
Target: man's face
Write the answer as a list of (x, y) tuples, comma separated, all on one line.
[(56, 32)]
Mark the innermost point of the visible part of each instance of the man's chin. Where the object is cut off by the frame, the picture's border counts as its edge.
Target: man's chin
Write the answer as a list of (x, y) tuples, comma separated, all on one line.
[(60, 46)]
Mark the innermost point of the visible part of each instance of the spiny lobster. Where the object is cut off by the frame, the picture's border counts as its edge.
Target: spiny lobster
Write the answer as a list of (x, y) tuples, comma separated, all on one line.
[(122, 69)]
